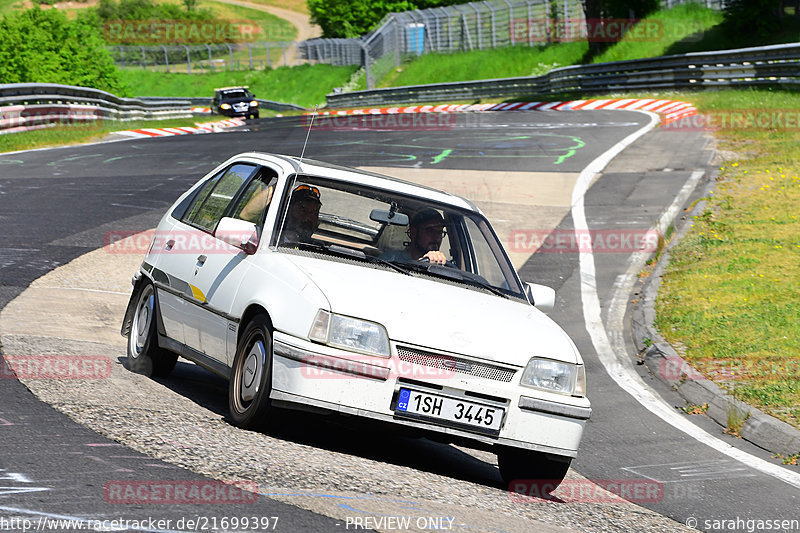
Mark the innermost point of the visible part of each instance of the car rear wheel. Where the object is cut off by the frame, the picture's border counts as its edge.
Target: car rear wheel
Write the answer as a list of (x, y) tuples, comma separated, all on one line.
[(251, 376), (144, 354), (536, 472)]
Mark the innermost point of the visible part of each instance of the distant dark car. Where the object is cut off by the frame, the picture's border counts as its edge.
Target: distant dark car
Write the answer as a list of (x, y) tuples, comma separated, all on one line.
[(235, 102)]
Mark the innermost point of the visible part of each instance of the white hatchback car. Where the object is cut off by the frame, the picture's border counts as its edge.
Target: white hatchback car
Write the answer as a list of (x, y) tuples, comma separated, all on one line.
[(309, 285)]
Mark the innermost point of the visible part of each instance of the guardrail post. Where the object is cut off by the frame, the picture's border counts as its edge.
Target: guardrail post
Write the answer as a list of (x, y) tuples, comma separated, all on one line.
[(511, 24), (494, 28), (478, 25), (547, 28), (188, 60), (529, 26), (364, 47)]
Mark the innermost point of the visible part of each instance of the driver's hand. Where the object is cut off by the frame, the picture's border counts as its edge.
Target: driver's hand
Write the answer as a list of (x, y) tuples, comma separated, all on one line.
[(435, 257)]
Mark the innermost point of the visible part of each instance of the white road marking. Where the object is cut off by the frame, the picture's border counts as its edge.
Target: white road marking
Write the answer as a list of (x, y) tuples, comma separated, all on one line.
[(610, 345)]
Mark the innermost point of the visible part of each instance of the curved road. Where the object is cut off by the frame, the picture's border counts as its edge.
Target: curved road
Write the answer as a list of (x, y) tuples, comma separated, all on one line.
[(521, 168)]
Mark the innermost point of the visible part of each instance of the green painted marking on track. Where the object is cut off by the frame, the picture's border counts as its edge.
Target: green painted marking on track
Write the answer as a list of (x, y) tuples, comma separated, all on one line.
[(441, 156), (579, 144)]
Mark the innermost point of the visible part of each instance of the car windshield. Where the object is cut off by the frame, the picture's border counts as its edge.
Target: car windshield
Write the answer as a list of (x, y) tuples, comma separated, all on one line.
[(235, 95), (384, 229)]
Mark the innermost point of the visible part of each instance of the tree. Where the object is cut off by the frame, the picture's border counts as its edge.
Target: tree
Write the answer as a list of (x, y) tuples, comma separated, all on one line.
[(44, 47), (598, 11), (753, 18), (353, 18)]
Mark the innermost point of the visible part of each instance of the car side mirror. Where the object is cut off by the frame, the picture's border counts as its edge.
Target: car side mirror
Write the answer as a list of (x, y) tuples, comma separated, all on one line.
[(541, 296), (389, 217), (239, 233)]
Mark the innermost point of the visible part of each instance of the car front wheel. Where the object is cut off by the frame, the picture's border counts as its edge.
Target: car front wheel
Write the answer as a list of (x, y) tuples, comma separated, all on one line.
[(251, 376), (144, 354), (537, 472)]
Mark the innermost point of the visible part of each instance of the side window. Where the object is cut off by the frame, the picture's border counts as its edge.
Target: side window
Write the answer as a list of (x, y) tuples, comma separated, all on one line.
[(487, 265), (212, 201), (256, 198)]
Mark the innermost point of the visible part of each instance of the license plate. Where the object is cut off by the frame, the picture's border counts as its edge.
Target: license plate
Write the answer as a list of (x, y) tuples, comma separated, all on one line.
[(456, 411)]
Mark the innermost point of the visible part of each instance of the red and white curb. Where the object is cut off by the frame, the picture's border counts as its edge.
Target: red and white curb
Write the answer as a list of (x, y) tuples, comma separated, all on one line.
[(670, 110), (205, 127)]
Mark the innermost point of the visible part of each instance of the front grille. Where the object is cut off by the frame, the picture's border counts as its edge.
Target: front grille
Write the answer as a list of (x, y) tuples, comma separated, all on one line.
[(455, 364)]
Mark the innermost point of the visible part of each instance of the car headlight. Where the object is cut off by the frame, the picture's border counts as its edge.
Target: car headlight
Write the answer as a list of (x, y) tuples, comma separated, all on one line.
[(350, 333), (254, 103), (555, 376), (225, 106)]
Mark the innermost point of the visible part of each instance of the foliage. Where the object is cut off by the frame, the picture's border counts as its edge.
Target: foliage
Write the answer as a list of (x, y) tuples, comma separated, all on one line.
[(352, 18), (745, 17), (304, 85), (620, 8), (45, 47), (148, 10)]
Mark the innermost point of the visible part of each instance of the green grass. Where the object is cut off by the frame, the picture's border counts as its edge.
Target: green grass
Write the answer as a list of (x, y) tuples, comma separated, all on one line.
[(484, 64), (304, 85), (274, 28), (732, 290), (681, 29), (82, 133)]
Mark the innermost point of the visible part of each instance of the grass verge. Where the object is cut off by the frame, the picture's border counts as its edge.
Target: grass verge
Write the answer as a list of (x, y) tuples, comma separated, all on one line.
[(731, 292), (483, 64), (304, 85), (82, 133)]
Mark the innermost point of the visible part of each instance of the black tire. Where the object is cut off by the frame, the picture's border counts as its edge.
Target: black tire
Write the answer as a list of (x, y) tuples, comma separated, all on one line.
[(538, 472), (144, 354), (251, 376)]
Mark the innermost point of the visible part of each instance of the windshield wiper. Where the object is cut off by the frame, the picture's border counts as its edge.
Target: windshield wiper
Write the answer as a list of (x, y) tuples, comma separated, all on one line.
[(467, 277), (345, 251), (390, 264)]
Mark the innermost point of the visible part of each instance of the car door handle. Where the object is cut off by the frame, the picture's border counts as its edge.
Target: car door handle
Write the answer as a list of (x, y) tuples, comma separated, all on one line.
[(201, 260), (170, 244)]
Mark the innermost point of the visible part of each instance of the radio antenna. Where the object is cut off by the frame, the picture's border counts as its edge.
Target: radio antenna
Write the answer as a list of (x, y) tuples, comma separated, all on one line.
[(311, 125)]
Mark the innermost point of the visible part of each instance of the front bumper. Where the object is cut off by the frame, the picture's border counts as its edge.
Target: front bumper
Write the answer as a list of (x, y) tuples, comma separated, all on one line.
[(336, 380)]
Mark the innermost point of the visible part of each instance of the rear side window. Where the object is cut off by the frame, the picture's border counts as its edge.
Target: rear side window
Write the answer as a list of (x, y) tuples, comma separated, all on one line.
[(216, 194)]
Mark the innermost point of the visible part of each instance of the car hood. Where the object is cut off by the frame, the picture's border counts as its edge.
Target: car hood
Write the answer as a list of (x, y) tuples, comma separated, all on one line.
[(438, 315)]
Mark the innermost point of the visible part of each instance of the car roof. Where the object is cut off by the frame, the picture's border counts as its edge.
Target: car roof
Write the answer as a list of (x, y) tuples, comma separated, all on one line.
[(371, 179)]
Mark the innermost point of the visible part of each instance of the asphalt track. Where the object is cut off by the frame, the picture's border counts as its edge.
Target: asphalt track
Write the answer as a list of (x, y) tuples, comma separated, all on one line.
[(56, 205)]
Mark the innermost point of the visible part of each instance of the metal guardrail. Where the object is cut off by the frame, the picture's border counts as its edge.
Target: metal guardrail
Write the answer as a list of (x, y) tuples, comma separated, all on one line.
[(25, 106), (203, 101), (745, 67)]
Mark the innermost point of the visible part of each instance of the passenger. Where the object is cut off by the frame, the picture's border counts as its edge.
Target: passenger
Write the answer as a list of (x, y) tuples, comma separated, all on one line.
[(302, 218)]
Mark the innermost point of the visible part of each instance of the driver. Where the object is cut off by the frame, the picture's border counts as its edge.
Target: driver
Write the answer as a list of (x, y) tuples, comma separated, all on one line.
[(426, 232)]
